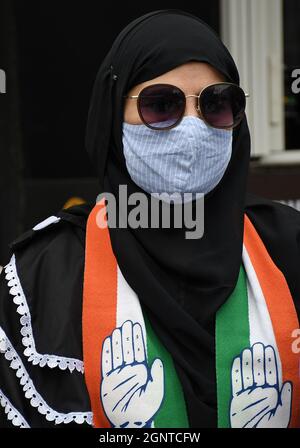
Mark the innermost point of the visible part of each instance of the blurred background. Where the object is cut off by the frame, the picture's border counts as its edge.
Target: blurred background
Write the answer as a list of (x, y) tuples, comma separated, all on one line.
[(49, 55)]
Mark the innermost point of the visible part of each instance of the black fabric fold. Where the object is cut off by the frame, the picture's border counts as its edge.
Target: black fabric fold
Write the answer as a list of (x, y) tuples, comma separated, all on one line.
[(181, 283)]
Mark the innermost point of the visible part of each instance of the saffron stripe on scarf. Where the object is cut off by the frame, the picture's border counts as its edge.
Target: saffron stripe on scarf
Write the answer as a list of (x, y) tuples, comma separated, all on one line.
[(232, 336), (282, 311), (99, 304)]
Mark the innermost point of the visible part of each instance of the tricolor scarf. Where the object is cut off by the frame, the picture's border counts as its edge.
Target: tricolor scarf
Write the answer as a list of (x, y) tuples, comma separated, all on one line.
[(131, 377)]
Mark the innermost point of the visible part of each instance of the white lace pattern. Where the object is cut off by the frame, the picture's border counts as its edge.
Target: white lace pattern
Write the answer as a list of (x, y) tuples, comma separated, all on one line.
[(32, 394), (52, 361), (11, 412)]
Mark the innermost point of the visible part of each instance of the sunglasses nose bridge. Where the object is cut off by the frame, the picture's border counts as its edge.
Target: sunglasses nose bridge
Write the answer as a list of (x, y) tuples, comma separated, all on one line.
[(191, 107)]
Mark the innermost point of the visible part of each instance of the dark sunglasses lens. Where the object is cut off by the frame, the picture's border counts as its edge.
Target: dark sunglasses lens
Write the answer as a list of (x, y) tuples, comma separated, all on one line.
[(161, 106), (223, 105)]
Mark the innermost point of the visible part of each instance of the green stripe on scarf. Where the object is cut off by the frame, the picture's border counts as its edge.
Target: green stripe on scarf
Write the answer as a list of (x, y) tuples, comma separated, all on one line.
[(232, 336), (172, 413)]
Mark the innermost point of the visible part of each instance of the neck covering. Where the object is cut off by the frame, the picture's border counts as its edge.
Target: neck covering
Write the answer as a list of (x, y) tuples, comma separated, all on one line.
[(182, 283)]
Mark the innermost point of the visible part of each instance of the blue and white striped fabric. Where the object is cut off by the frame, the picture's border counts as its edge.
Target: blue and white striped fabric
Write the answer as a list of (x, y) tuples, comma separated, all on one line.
[(189, 158)]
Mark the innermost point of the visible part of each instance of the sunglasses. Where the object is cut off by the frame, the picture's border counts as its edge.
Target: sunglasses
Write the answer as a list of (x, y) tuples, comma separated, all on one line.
[(162, 106)]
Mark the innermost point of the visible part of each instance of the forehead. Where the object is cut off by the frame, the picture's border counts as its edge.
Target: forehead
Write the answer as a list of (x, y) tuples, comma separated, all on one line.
[(189, 76)]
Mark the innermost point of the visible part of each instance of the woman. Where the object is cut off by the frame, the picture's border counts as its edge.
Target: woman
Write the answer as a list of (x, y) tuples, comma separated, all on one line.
[(143, 327)]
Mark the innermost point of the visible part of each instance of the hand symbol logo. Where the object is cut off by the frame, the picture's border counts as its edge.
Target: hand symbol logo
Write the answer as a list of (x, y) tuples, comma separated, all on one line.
[(131, 393), (257, 399)]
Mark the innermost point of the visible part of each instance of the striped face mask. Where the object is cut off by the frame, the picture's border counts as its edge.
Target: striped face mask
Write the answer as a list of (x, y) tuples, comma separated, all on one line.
[(131, 376), (189, 158)]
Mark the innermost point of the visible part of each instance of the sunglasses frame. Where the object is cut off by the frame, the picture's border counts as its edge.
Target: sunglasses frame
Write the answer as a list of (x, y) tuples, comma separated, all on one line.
[(198, 108)]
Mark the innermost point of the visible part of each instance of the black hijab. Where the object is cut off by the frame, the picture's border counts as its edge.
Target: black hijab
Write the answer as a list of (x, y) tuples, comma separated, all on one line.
[(181, 283)]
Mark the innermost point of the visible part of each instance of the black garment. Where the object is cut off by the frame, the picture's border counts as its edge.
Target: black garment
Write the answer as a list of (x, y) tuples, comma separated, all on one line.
[(50, 266), (182, 283)]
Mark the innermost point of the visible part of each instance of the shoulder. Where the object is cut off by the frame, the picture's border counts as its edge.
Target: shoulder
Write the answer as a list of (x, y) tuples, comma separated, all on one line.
[(279, 227), (271, 208), (64, 224), (280, 221), (46, 265), (52, 246)]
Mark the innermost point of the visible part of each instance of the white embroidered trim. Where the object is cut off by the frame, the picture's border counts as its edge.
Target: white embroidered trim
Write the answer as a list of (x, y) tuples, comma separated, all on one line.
[(2, 341), (35, 398), (11, 412), (47, 222), (52, 361)]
